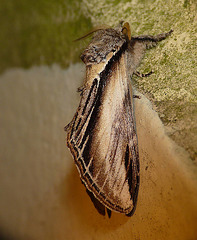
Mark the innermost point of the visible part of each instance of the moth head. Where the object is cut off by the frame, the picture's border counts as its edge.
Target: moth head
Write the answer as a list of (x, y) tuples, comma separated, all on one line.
[(126, 30)]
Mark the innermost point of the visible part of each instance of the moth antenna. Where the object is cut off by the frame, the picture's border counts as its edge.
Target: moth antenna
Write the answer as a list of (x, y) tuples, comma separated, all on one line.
[(93, 31)]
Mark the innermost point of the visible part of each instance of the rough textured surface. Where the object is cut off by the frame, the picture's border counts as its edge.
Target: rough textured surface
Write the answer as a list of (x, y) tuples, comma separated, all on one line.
[(173, 86)]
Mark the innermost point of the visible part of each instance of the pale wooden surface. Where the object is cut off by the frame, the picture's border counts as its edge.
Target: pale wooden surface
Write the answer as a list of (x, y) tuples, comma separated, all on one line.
[(41, 194)]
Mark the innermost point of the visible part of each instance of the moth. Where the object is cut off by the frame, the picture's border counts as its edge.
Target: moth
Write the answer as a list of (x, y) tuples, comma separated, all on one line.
[(102, 134)]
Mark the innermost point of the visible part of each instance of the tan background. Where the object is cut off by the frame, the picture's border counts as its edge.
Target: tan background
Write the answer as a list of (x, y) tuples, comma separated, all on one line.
[(41, 194)]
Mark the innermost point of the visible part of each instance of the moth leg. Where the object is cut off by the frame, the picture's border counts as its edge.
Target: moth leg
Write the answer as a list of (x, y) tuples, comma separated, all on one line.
[(151, 41), (80, 90), (67, 127), (137, 96), (142, 74), (161, 36), (152, 38)]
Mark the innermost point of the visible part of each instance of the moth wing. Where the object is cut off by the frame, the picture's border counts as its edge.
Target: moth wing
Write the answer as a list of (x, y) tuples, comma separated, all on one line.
[(103, 140)]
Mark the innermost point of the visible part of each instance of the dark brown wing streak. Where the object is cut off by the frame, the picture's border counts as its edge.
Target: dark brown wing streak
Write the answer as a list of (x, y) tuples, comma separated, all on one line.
[(103, 141), (118, 174)]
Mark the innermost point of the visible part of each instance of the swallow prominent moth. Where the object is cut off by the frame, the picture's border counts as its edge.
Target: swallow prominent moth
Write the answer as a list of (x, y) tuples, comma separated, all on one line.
[(102, 134)]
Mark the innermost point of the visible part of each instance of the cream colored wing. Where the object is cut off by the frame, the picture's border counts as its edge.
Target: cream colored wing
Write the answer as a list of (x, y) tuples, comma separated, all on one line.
[(103, 140)]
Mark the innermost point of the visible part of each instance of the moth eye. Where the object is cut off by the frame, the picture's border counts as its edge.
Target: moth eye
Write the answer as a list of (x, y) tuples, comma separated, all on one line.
[(126, 30)]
